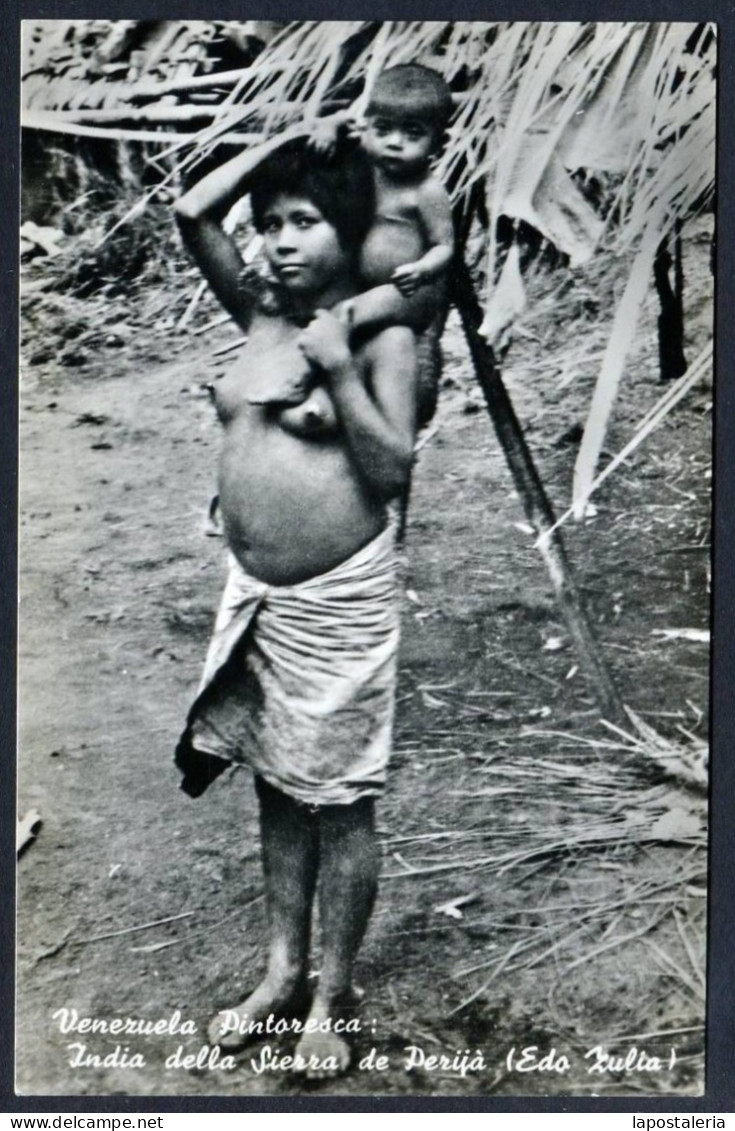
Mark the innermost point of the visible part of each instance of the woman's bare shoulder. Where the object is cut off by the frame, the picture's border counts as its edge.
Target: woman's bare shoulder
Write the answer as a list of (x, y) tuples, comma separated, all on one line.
[(392, 350)]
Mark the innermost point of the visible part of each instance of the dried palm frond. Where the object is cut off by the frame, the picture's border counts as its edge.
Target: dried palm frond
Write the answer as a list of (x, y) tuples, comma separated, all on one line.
[(687, 760)]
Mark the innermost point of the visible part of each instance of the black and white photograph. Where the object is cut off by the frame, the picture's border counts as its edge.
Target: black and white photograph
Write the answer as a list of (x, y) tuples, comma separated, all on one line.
[(365, 487)]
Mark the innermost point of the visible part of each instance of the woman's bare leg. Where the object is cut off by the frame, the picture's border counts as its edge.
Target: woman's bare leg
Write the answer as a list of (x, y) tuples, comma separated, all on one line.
[(349, 863), (290, 851)]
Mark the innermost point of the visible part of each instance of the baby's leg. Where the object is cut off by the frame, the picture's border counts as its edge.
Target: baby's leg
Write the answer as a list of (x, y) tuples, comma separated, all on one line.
[(290, 849), (348, 880)]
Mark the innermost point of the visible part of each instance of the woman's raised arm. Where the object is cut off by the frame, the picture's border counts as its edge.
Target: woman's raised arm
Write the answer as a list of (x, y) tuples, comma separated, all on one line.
[(199, 214)]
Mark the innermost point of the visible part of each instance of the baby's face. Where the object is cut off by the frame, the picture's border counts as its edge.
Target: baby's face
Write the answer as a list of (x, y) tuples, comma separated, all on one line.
[(401, 147)]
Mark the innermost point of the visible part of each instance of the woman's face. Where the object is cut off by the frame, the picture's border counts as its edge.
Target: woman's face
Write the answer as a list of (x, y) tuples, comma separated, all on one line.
[(302, 247)]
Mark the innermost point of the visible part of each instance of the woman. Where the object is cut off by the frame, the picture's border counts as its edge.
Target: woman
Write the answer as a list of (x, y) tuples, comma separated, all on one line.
[(299, 679)]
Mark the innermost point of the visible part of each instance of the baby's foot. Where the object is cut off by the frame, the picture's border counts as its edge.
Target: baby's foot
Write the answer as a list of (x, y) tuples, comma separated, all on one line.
[(232, 1029)]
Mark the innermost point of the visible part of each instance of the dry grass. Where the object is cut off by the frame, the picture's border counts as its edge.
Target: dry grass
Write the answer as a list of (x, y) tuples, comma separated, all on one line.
[(585, 874)]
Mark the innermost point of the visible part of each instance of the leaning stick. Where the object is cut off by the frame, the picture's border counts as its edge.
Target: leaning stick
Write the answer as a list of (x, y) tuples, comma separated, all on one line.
[(535, 501)]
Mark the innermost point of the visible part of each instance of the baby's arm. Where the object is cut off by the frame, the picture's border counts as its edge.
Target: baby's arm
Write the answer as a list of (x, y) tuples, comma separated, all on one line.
[(435, 216), (324, 132)]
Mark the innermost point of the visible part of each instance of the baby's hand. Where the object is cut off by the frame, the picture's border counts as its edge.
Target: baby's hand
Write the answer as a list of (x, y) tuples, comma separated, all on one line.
[(325, 132), (408, 278)]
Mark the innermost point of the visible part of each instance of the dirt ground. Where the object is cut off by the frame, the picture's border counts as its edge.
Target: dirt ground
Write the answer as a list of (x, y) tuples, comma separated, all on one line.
[(539, 892)]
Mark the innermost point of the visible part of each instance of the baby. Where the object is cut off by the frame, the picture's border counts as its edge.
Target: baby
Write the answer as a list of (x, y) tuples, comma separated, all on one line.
[(404, 258), (411, 242)]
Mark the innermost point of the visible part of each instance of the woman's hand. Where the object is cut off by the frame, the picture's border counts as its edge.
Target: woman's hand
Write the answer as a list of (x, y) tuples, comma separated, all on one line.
[(326, 340)]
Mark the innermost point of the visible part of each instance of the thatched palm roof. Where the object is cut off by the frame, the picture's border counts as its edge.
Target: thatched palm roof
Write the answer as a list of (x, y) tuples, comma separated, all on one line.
[(91, 64)]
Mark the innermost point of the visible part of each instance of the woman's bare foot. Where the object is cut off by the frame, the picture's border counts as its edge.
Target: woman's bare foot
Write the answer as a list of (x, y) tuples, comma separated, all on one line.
[(232, 1029), (324, 1054)]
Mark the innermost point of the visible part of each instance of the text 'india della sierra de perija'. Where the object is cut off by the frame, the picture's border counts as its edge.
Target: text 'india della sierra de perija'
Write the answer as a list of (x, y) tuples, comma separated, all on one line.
[(461, 1062)]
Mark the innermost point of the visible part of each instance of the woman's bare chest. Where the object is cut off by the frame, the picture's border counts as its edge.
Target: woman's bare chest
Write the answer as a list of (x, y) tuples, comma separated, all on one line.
[(269, 368)]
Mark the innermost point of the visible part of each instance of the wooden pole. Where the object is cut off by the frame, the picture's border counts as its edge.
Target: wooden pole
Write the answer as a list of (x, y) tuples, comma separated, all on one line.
[(672, 362), (535, 501)]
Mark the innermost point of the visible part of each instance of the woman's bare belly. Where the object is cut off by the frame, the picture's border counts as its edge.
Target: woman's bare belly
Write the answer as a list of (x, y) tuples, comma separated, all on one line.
[(292, 505)]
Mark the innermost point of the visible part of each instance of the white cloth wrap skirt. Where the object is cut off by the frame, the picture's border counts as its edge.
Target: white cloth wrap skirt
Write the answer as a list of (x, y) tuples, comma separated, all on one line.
[(299, 681)]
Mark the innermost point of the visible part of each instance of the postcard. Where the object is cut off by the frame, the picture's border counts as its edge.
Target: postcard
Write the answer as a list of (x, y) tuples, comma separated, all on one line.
[(365, 538)]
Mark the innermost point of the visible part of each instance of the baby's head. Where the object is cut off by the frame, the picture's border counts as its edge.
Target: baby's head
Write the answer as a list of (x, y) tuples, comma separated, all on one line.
[(411, 93)]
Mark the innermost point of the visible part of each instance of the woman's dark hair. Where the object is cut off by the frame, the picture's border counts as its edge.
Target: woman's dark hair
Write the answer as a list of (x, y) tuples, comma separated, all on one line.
[(340, 186)]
